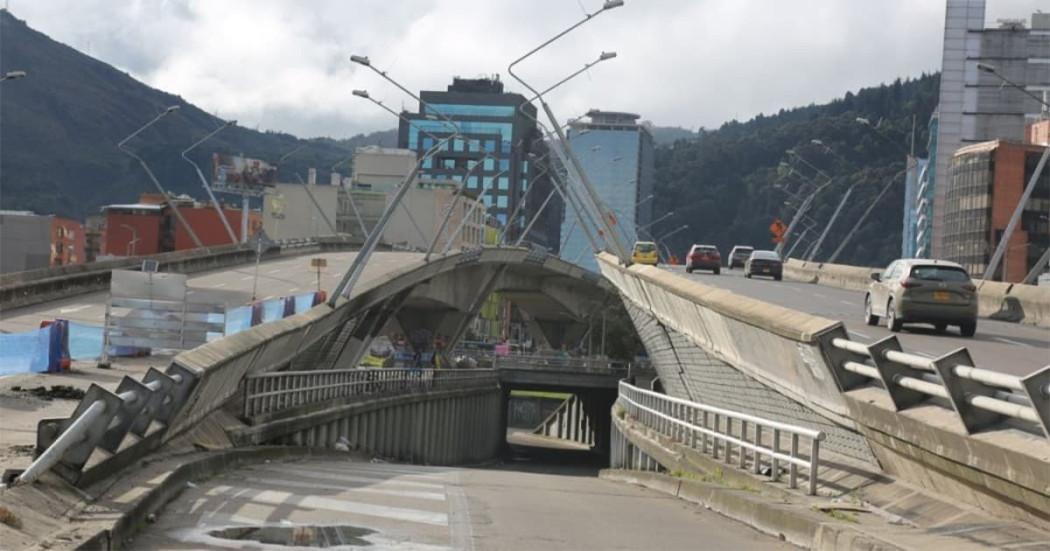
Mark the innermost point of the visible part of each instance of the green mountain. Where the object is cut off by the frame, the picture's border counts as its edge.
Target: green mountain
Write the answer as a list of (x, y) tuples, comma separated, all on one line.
[(60, 125), (727, 184)]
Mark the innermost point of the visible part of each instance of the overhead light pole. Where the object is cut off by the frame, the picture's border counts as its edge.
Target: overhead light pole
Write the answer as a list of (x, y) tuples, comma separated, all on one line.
[(204, 181), (646, 227), (1015, 218), (121, 145), (12, 75), (605, 218), (129, 250), (864, 216)]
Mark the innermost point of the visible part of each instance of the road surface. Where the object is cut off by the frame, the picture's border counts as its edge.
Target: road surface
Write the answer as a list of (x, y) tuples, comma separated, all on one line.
[(1001, 346), (429, 508)]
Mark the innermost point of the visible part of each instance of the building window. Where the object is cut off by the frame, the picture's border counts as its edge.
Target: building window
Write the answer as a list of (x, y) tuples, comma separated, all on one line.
[(488, 182), (448, 163), (504, 164), (505, 146), (428, 162), (490, 164), (474, 146), (504, 183), (457, 145), (501, 202), (428, 143), (524, 167), (490, 146), (472, 182)]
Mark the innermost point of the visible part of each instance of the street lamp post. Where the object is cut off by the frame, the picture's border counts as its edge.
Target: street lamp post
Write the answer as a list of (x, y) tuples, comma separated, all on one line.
[(121, 146), (574, 165), (12, 75), (834, 216), (129, 249), (864, 216), (204, 181), (1000, 249), (646, 227)]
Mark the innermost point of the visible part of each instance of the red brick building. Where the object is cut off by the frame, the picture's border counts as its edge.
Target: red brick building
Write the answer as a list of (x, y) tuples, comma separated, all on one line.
[(67, 242), (150, 227)]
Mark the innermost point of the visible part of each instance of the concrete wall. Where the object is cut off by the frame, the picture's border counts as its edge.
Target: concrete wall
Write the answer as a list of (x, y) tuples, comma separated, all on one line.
[(1016, 302), (289, 212), (25, 241), (436, 428)]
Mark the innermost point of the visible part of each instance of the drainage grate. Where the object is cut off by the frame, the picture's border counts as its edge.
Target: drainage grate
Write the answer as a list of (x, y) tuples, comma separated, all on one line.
[(298, 536)]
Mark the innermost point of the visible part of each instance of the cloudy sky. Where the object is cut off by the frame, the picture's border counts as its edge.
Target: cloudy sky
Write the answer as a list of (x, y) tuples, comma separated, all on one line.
[(283, 64)]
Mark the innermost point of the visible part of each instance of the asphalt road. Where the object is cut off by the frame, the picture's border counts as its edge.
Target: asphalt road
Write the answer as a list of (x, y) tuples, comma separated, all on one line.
[(429, 508), (231, 287), (1007, 347)]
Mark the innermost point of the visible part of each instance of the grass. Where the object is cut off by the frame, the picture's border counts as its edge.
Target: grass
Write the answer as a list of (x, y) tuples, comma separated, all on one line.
[(717, 477), (9, 518), (539, 394)]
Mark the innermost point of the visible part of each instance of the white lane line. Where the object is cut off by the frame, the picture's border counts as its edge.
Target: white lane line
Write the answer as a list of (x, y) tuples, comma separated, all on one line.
[(383, 474), (72, 309), (819, 295), (190, 292), (246, 278), (361, 478), (272, 497), (432, 496), (858, 333), (217, 285), (293, 289), (1013, 342), (846, 302), (274, 271)]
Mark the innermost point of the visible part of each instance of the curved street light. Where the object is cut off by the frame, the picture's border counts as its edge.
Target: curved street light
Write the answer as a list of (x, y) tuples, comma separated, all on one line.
[(204, 181), (12, 75)]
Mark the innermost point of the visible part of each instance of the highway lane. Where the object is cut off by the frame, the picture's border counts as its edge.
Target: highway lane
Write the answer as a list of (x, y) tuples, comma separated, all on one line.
[(1007, 347), (229, 286), (414, 507)]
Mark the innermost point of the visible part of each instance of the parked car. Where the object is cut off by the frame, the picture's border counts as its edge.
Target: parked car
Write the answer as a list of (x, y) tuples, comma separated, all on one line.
[(738, 256), (645, 253), (764, 263), (922, 291), (703, 257)]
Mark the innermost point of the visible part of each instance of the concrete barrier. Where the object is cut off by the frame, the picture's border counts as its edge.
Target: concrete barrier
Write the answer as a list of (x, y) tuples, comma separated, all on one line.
[(20, 289), (1013, 302)]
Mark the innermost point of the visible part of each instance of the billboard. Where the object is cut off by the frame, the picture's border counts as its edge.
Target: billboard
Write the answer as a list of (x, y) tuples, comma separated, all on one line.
[(232, 171)]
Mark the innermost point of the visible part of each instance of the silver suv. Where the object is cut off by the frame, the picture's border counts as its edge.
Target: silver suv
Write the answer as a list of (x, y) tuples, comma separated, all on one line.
[(922, 291)]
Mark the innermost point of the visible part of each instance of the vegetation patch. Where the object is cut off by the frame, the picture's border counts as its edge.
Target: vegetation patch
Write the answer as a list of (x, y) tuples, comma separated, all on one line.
[(9, 518)]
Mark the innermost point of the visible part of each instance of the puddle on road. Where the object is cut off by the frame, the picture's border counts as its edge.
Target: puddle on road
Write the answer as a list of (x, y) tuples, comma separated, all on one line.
[(298, 536)]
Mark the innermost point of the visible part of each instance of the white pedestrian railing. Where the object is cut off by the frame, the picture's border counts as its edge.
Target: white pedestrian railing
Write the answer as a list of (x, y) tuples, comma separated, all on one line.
[(274, 392), (716, 431)]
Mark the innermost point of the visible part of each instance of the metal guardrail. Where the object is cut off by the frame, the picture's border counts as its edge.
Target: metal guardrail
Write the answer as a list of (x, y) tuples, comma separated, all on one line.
[(704, 427), (980, 397), (589, 365), (269, 393), (103, 419)]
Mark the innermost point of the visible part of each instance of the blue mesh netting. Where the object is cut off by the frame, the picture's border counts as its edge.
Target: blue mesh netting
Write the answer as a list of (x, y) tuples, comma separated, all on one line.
[(85, 341), (304, 302), (272, 310), (238, 319), (24, 352)]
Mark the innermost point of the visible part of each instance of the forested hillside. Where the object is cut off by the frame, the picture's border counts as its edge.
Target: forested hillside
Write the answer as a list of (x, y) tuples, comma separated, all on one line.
[(61, 125), (727, 183)]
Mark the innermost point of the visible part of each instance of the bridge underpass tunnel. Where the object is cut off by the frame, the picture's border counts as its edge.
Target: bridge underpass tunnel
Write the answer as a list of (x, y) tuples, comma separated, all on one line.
[(562, 425)]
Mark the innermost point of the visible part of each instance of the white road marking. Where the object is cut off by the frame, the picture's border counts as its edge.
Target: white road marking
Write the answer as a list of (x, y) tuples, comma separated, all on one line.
[(217, 285), (274, 271), (72, 309), (1013, 342), (846, 302), (272, 497), (293, 289), (819, 295), (359, 477), (246, 278), (432, 496), (858, 333)]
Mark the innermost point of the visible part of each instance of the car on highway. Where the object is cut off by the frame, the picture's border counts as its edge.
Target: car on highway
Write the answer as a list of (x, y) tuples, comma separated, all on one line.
[(645, 253), (764, 263), (703, 257), (738, 256), (917, 290)]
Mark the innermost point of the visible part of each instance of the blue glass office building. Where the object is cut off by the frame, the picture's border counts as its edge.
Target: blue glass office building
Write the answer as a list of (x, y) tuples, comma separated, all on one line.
[(500, 144), (617, 154)]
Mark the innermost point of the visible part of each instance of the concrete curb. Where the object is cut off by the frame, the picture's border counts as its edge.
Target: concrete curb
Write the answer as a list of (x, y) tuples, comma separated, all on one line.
[(787, 522), (206, 465)]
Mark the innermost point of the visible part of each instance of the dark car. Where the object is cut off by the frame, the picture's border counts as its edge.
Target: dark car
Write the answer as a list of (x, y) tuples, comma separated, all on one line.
[(764, 263), (703, 257), (739, 255)]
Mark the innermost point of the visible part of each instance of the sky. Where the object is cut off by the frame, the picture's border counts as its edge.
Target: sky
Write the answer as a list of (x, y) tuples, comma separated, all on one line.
[(284, 65)]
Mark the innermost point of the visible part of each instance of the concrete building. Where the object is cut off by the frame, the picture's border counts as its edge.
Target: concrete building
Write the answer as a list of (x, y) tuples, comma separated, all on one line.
[(294, 211), (381, 168), (68, 242), (150, 227), (617, 154), (25, 241), (974, 106), (987, 182), (500, 145)]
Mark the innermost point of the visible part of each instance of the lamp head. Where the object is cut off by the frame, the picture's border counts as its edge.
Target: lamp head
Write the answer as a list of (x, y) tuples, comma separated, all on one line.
[(361, 94), (863, 121), (11, 75), (986, 68), (231, 123), (362, 59), (610, 4), (171, 109), (606, 55)]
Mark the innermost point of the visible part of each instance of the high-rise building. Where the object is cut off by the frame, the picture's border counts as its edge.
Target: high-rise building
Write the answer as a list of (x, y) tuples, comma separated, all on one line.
[(974, 105), (495, 156), (921, 217), (988, 180), (618, 156)]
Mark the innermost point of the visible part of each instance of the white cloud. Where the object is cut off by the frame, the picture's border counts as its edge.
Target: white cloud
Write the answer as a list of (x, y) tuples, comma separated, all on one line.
[(283, 65)]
